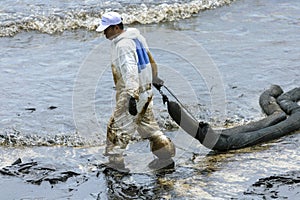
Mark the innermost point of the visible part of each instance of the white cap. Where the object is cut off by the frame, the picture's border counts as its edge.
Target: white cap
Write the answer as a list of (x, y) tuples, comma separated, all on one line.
[(108, 19)]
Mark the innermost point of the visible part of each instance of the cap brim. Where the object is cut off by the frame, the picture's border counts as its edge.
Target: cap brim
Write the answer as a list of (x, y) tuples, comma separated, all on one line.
[(101, 28)]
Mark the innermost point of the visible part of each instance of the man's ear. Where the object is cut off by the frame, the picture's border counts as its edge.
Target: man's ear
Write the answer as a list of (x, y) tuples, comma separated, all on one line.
[(117, 28)]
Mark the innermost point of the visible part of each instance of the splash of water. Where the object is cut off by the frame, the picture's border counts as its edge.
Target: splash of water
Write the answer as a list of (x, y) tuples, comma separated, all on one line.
[(16, 138)]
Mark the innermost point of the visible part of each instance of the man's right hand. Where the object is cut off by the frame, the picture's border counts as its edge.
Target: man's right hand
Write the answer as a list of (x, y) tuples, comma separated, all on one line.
[(157, 82), (132, 106)]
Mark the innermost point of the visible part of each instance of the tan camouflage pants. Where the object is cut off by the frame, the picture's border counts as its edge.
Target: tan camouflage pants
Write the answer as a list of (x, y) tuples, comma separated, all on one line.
[(123, 125)]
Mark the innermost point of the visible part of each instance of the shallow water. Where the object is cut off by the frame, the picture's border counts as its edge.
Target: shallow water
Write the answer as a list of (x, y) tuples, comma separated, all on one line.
[(249, 45)]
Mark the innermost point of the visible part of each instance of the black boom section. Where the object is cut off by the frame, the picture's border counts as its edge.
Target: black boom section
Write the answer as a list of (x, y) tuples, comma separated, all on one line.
[(283, 117)]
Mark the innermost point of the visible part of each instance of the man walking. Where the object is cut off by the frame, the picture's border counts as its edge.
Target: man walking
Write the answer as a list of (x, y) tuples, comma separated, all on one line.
[(134, 71)]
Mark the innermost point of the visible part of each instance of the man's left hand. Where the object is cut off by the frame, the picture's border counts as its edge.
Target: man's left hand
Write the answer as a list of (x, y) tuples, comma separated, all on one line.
[(132, 106)]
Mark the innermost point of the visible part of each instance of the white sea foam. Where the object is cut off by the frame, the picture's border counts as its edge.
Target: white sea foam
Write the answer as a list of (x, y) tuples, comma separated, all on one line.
[(55, 18)]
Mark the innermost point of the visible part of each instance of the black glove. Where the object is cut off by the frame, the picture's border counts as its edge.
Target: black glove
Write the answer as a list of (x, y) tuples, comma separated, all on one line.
[(157, 82), (132, 106)]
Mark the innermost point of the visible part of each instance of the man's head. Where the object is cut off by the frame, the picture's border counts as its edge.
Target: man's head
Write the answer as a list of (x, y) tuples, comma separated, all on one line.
[(112, 25)]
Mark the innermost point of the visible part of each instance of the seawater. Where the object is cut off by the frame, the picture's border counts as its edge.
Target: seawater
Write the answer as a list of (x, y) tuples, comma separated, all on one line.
[(253, 44), (59, 15)]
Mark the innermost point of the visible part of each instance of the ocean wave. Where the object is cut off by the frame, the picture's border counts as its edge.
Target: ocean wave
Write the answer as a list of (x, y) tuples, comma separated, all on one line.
[(55, 20)]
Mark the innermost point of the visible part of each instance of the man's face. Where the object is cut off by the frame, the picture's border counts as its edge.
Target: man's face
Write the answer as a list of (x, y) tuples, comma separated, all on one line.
[(111, 32)]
